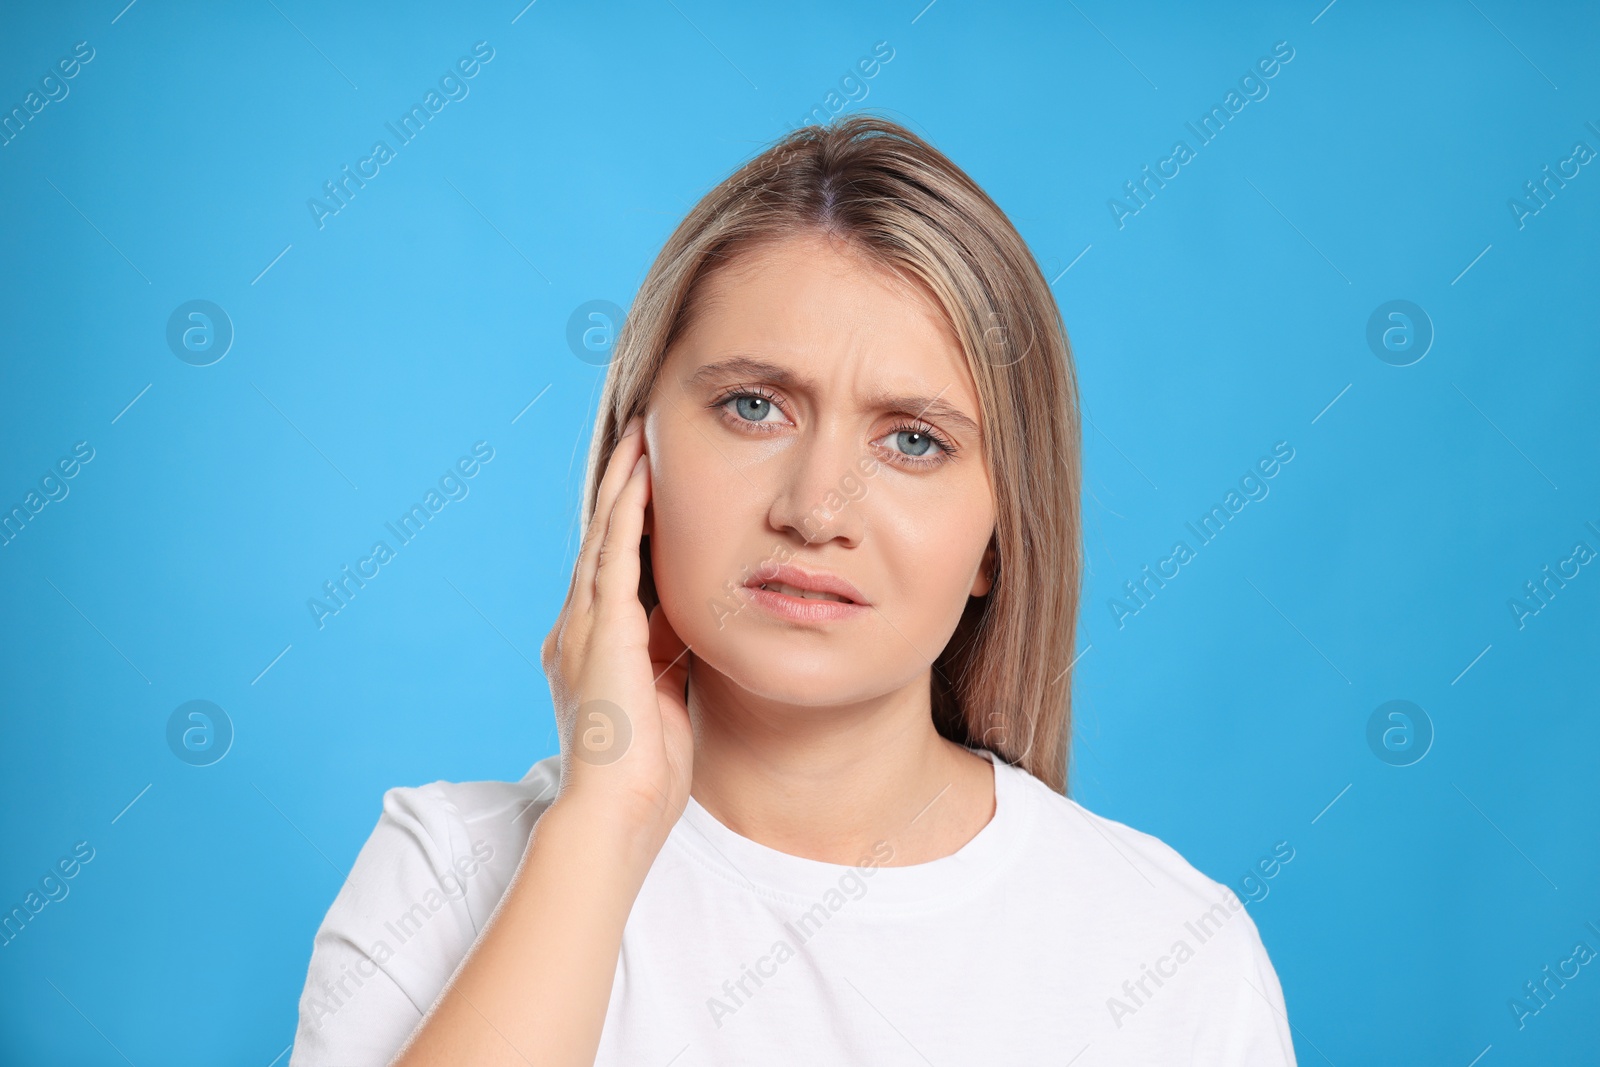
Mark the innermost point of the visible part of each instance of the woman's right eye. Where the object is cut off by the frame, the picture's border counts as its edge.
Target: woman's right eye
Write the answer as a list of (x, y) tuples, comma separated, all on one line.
[(750, 407), (754, 408)]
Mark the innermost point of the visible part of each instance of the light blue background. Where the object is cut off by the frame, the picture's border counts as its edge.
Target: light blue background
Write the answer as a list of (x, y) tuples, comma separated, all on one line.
[(1224, 317)]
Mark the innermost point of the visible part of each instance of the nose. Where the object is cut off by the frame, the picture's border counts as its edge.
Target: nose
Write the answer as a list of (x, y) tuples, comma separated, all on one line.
[(818, 495)]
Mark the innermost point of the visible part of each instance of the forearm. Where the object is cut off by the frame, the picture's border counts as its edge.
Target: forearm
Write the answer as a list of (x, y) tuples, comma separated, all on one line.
[(535, 986)]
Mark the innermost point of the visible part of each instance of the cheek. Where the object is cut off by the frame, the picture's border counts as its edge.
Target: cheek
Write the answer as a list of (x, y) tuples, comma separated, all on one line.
[(698, 523), (933, 544)]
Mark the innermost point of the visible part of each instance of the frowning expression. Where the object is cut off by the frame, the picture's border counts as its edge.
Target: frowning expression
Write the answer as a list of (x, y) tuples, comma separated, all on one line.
[(821, 509)]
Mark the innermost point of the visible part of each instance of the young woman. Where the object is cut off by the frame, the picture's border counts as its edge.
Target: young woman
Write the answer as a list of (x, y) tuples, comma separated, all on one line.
[(813, 682)]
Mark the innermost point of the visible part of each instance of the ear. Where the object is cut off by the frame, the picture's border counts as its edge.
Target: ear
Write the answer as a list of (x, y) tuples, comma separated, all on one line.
[(984, 582)]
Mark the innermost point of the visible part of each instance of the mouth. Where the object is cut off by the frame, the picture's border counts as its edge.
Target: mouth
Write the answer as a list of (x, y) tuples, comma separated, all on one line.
[(803, 594)]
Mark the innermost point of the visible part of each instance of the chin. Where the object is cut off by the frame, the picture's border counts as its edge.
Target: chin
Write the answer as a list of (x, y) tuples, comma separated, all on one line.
[(797, 665)]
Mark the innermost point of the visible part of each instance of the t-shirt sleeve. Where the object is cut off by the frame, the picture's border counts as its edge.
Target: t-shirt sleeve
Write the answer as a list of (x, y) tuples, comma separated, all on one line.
[(402, 922), (1257, 1030)]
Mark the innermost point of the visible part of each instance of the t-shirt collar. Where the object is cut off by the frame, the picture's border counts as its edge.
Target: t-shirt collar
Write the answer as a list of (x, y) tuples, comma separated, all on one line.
[(869, 885)]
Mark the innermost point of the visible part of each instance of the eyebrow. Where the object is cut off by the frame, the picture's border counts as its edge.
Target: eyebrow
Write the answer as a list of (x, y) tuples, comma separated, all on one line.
[(933, 408)]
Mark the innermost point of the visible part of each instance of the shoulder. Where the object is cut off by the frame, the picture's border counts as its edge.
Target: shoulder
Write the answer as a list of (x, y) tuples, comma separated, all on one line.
[(423, 886), (1137, 880), (456, 816), (1149, 915), (1117, 850), (442, 833)]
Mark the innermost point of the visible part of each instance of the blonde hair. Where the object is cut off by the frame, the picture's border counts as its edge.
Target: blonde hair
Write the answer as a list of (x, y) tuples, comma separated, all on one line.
[(1003, 682)]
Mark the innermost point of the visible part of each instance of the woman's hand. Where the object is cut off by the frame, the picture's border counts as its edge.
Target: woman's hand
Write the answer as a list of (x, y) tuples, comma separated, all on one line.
[(616, 677), (539, 975)]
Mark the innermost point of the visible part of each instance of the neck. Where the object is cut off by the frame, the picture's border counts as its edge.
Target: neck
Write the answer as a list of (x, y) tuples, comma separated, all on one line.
[(831, 782)]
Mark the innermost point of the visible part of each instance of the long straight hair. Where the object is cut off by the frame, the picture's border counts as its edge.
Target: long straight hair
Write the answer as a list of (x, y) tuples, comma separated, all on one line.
[(1004, 681)]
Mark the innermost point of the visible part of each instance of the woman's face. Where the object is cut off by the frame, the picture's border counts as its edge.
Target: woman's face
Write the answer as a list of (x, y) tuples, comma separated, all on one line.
[(816, 431)]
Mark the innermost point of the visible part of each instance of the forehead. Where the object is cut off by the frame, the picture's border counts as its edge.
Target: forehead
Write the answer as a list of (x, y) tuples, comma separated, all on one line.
[(827, 310)]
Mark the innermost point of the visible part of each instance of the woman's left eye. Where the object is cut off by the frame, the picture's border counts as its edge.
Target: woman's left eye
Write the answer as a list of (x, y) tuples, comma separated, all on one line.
[(919, 445), (914, 443)]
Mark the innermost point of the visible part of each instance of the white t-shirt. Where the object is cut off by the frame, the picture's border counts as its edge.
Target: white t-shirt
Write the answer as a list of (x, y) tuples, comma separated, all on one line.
[(1054, 936)]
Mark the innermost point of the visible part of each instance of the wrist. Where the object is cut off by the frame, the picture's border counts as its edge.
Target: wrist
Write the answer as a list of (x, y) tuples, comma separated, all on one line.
[(629, 833)]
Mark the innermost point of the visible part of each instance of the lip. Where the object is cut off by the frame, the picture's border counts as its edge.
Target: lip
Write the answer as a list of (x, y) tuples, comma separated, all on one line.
[(801, 609), (813, 581)]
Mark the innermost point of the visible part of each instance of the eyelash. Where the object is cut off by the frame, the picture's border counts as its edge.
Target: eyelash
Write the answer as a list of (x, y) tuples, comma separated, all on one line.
[(947, 448)]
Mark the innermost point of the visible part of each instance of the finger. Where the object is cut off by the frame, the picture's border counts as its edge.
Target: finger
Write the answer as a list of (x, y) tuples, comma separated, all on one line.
[(618, 468), (572, 621), (617, 573)]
